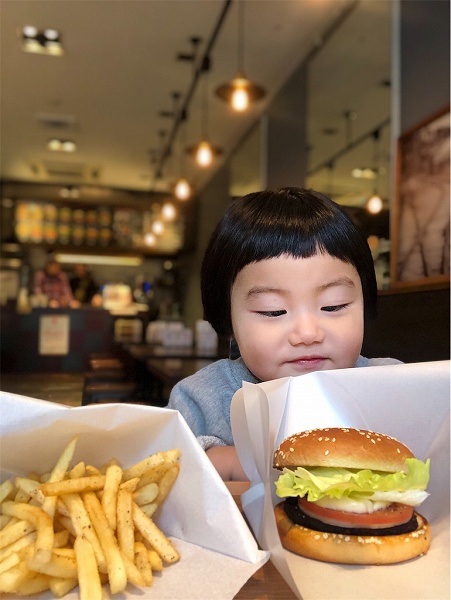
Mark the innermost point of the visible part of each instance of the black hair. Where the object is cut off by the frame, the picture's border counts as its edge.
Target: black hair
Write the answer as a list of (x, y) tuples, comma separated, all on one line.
[(268, 224)]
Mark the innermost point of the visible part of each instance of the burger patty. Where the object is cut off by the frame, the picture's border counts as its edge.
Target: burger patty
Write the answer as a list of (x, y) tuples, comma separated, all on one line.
[(295, 514)]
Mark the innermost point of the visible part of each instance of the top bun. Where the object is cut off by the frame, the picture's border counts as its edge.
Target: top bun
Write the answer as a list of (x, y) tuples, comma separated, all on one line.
[(342, 447)]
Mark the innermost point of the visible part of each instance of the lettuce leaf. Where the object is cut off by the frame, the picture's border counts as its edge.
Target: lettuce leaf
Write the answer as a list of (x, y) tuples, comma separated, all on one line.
[(318, 482)]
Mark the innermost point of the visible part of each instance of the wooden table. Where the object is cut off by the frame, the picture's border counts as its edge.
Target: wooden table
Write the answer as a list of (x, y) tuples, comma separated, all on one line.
[(169, 371), (266, 583), (147, 351)]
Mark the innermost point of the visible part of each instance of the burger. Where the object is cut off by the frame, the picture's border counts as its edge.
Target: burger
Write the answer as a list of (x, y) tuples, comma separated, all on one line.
[(349, 497)]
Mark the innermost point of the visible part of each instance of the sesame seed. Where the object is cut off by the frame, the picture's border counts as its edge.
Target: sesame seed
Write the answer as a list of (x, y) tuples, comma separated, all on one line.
[(326, 452), (325, 536), (317, 537)]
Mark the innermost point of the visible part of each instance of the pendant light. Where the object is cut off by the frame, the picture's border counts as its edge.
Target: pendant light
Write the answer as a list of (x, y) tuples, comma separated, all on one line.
[(182, 189), (240, 92), (204, 152), (375, 203)]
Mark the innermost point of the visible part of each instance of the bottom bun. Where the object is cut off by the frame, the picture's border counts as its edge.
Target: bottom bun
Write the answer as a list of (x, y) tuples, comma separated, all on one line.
[(352, 549)]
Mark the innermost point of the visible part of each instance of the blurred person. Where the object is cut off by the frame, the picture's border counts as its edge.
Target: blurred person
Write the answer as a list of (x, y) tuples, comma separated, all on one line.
[(53, 283), (290, 279), (83, 286)]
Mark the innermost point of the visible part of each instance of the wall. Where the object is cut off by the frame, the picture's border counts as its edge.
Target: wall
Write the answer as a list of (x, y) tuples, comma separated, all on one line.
[(425, 60)]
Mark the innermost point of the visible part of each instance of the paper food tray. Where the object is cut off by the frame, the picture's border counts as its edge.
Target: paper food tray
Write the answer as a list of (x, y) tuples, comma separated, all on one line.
[(408, 401), (218, 552)]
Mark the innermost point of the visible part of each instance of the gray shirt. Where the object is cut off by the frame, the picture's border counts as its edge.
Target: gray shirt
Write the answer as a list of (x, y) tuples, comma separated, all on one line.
[(204, 398)]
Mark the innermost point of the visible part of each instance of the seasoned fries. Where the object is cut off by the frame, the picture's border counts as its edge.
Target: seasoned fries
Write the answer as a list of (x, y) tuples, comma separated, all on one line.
[(85, 526)]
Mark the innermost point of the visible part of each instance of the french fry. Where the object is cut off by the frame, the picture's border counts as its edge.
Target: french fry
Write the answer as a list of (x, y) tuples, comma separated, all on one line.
[(60, 587), (154, 536), (12, 579), (57, 566), (146, 494), (11, 561), (42, 522), (25, 541), (113, 477), (83, 527), (73, 486), (15, 532), (58, 473), (144, 465), (5, 489), (155, 560), (125, 528), (34, 585), (149, 509), (143, 563), (88, 575), (77, 471), (117, 576), (166, 482)]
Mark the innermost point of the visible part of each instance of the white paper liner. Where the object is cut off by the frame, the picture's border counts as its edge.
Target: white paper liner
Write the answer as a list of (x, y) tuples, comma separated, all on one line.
[(218, 552), (409, 402)]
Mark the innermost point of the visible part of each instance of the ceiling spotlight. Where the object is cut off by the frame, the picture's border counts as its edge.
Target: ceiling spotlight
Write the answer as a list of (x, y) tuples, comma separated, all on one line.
[(240, 92), (47, 41), (57, 145)]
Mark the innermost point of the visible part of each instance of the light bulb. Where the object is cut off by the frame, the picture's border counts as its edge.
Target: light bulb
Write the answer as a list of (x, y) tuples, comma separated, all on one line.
[(157, 227), (374, 204), (240, 96), (168, 211), (150, 239), (204, 154), (182, 189)]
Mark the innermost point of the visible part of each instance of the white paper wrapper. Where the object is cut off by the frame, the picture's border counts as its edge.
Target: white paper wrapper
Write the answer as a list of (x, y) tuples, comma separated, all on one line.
[(218, 552), (410, 402)]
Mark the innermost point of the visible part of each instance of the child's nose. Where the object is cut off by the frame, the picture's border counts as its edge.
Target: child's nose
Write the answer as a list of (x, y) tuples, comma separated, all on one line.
[(306, 329)]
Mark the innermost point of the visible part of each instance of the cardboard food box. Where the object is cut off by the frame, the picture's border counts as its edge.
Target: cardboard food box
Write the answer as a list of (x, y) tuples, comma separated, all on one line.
[(218, 551), (410, 402)]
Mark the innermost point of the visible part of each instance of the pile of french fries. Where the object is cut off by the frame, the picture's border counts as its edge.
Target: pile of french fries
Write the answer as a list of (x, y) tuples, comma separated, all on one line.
[(85, 526)]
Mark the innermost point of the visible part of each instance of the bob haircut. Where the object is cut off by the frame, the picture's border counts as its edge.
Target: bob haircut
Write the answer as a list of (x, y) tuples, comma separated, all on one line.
[(267, 224)]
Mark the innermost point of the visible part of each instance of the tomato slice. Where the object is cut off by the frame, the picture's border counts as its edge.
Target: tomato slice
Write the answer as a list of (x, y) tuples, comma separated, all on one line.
[(394, 514)]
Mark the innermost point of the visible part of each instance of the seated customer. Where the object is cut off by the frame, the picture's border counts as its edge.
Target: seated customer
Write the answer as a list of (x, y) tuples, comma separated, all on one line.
[(288, 276), (53, 283)]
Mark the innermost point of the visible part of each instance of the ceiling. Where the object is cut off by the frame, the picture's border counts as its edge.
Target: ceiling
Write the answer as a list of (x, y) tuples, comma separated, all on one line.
[(120, 71)]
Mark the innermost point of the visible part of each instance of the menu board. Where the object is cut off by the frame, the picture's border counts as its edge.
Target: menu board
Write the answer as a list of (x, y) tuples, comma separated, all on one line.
[(103, 226)]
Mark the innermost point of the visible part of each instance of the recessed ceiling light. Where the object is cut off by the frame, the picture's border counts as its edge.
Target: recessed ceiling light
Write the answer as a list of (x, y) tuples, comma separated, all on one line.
[(47, 41), (57, 145)]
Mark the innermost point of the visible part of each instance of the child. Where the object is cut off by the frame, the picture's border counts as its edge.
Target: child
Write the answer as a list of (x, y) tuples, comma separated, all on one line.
[(288, 276)]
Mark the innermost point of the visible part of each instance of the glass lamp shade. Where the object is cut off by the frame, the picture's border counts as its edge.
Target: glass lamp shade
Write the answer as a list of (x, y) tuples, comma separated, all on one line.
[(182, 189), (240, 92)]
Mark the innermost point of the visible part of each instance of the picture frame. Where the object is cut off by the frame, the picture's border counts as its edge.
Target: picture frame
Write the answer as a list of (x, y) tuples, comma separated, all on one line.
[(420, 215)]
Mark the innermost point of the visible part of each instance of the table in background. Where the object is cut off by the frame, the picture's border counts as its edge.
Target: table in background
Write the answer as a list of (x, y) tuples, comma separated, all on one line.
[(157, 368), (266, 583)]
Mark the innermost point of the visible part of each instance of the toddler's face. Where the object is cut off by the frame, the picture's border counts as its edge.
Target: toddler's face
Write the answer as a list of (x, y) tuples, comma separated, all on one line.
[(292, 316)]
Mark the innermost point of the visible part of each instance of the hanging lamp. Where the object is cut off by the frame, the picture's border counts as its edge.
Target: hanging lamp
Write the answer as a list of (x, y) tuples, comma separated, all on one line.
[(240, 93), (375, 203), (204, 152), (182, 189)]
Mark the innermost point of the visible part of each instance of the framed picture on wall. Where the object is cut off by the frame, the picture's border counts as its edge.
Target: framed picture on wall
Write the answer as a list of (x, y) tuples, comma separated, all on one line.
[(420, 220)]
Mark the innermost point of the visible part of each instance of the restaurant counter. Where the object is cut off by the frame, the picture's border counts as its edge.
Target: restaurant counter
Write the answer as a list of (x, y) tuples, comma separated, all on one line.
[(56, 340)]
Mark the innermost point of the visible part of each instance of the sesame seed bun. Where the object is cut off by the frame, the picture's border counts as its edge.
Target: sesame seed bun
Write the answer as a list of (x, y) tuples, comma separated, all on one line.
[(352, 549), (342, 447)]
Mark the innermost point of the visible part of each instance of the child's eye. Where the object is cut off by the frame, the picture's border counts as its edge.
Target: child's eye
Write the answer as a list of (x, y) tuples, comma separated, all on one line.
[(335, 308), (271, 313)]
